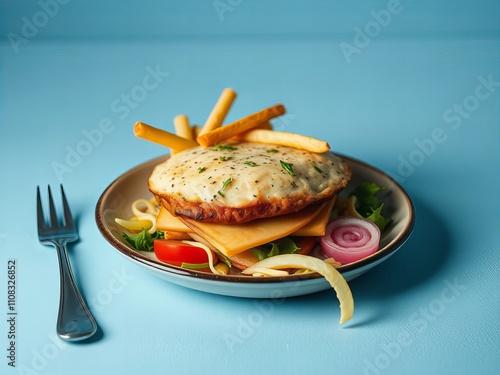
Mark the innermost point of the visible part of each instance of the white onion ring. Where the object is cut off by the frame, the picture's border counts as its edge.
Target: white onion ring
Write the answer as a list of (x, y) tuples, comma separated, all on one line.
[(348, 239)]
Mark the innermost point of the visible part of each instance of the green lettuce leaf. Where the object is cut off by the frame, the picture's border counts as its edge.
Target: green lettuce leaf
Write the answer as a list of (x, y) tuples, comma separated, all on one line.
[(368, 204), (378, 219), (284, 245), (143, 240)]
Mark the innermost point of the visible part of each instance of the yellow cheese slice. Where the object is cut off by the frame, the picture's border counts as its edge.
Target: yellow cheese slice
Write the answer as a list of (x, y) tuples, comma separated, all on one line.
[(167, 222), (233, 239), (317, 226)]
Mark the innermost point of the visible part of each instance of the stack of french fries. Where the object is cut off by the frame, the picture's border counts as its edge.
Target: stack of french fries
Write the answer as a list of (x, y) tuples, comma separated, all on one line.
[(252, 128)]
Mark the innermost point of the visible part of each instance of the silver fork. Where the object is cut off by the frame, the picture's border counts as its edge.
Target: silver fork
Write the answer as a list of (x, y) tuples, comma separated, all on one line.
[(74, 321)]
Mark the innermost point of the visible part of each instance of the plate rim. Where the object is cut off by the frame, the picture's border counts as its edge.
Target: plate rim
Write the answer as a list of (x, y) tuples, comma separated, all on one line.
[(136, 256)]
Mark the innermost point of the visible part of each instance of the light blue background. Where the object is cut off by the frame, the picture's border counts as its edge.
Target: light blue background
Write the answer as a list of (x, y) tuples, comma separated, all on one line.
[(401, 87)]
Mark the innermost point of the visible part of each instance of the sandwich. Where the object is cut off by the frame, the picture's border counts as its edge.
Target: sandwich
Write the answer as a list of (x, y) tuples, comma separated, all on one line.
[(249, 196), (240, 195), (237, 187)]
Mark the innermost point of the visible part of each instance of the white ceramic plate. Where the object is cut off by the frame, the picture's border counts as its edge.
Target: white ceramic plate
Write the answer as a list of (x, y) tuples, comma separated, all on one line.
[(116, 200)]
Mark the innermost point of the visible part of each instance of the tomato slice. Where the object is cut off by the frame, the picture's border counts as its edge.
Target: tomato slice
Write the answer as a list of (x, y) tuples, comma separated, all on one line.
[(177, 252), (306, 244)]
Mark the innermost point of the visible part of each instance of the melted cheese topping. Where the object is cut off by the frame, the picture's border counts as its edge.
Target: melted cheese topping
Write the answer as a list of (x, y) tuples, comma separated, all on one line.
[(249, 172)]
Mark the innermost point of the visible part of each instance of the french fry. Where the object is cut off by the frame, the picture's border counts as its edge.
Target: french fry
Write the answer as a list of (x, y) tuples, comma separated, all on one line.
[(182, 128), (265, 125), (240, 126), (219, 112), (196, 129), (162, 137), (284, 139)]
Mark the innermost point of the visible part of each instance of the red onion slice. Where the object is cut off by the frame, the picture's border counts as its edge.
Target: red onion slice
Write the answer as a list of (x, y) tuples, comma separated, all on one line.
[(348, 239)]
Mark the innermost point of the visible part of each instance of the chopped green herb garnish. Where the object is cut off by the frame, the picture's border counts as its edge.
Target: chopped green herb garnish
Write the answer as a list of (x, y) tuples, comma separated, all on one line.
[(223, 158), (224, 186), (226, 183), (287, 167), (317, 169), (272, 150), (202, 169), (251, 163), (224, 147)]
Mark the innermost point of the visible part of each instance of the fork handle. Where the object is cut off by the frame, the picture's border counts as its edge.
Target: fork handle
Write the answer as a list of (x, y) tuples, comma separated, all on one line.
[(74, 321)]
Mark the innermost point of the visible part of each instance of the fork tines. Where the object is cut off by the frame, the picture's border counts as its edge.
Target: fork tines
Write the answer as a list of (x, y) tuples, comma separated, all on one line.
[(53, 220)]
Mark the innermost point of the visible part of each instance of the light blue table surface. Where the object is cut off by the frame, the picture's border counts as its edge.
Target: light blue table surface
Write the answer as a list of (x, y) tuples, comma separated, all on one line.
[(412, 87)]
